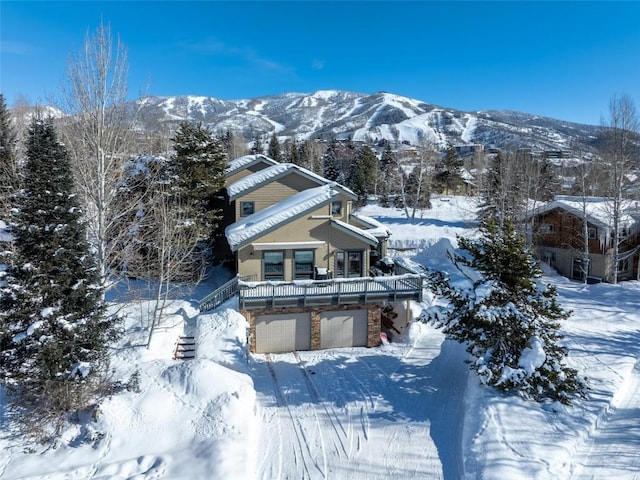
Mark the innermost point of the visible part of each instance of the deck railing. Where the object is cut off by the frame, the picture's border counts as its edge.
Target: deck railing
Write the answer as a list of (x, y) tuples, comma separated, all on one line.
[(305, 293), (219, 295)]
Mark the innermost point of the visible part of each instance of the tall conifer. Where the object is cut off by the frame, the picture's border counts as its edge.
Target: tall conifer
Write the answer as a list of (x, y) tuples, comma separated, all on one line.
[(54, 333)]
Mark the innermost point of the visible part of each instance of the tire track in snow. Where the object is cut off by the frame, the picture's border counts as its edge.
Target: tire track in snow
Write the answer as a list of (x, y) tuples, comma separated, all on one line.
[(610, 451), (303, 454), (269, 415), (331, 416)]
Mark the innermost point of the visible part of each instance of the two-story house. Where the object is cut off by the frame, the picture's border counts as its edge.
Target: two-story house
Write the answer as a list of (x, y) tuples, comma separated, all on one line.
[(559, 228), (303, 259)]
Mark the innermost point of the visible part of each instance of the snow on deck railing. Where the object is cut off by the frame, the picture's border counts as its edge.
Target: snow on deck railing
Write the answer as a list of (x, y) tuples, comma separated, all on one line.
[(219, 295), (330, 292)]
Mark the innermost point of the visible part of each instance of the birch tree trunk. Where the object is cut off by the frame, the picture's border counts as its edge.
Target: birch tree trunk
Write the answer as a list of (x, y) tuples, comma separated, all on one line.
[(99, 135)]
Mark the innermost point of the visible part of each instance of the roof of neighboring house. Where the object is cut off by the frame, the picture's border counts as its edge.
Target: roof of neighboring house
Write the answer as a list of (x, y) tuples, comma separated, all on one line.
[(246, 161), (257, 179), (249, 228), (597, 209), (373, 226), (355, 232)]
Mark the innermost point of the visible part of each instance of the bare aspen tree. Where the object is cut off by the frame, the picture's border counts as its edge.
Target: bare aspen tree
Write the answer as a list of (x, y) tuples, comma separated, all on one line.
[(98, 133), (620, 156), (174, 243), (415, 188)]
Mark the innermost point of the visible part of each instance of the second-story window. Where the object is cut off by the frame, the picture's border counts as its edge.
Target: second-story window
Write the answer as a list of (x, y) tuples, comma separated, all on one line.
[(302, 264), (336, 208), (592, 233), (273, 265), (247, 208)]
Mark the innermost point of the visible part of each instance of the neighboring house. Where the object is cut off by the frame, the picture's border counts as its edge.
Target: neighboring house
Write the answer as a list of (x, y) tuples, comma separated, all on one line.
[(558, 234), (304, 259)]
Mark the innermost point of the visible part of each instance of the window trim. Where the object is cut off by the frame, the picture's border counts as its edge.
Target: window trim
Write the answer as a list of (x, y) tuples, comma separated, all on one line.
[(304, 274), (345, 258), (546, 228), (242, 211), (269, 276)]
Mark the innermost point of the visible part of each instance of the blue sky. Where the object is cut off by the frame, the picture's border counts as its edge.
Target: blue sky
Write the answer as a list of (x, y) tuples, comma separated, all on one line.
[(563, 60)]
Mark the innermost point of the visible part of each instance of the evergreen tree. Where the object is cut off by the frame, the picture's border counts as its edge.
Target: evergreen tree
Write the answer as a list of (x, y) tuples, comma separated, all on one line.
[(363, 173), (448, 174), (54, 333), (274, 149), (388, 174), (330, 165), (196, 172), (509, 324), (8, 161)]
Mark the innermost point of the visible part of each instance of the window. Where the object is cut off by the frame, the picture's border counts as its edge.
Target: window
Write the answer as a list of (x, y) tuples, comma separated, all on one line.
[(592, 233), (247, 208), (580, 269), (302, 264), (624, 266), (349, 264), (340, 264), (546, 228), (355, 265), (273, 265), (336, 208), (549, 258)]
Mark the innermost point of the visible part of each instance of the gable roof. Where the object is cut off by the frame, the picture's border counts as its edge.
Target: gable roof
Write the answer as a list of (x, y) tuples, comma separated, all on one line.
[(597, 209), (256, 180), (247, 161), (249, 228), (354, 231), (373, 226)]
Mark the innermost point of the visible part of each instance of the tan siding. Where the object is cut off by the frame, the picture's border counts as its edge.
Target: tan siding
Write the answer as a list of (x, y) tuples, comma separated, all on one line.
[(275, 191), (302, 230), (245, 172)]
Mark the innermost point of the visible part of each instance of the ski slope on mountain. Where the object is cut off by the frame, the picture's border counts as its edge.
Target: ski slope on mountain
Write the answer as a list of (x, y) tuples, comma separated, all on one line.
[(409, 409)]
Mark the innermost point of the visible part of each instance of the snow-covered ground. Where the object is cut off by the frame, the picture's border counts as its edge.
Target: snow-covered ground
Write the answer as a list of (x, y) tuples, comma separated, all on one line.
[(406, 410)]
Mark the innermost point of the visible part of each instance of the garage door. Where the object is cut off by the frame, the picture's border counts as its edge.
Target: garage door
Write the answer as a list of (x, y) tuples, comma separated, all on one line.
[(284, 332), (343, 329)]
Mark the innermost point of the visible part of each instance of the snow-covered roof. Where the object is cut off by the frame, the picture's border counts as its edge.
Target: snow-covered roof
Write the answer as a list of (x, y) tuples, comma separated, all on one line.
[(253, 181), (597, 209), (245, 161), (355, 231), (245, 230), (374, 227)]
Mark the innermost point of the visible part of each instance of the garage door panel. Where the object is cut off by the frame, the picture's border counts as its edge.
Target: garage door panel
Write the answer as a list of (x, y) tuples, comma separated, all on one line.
[(285, 332), (346, 328)]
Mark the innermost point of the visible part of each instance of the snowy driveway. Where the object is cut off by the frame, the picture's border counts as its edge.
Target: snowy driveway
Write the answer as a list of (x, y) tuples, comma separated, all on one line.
[(389, 412)]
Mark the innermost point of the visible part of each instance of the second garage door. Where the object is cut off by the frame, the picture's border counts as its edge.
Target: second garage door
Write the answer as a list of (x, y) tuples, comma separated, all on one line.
[(343, 329), (285, 332)]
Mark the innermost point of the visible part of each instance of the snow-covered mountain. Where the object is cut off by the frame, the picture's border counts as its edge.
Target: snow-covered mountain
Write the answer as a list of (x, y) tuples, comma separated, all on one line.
[(332, 113)]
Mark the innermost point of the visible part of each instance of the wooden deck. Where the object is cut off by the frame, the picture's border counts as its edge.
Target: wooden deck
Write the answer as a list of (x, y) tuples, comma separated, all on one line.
[(304, 293)]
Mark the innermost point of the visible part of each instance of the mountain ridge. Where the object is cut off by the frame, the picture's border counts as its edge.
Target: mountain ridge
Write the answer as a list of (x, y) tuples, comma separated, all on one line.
[(327, 114)]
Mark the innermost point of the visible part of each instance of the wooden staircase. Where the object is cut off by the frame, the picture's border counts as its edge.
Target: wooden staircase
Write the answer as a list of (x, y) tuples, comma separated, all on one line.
[(185, 348)]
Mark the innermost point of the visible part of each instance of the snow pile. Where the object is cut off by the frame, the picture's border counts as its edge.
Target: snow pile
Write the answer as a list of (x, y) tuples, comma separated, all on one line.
[(409, 409)]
